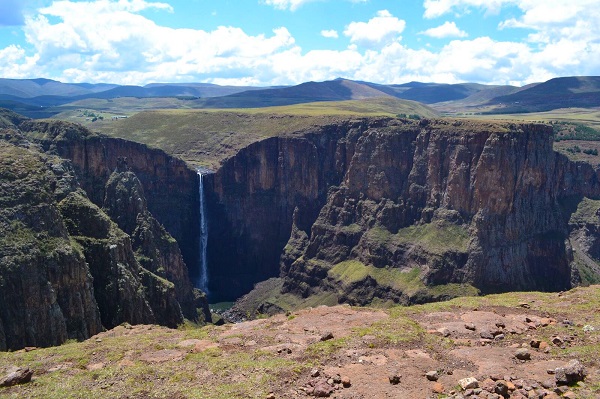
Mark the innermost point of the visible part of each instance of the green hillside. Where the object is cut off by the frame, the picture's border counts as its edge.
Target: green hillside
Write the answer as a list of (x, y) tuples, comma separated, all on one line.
[(206, 137)]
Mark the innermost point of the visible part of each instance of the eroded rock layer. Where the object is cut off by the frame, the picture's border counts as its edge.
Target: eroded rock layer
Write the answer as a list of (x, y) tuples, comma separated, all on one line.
[(400, 210)]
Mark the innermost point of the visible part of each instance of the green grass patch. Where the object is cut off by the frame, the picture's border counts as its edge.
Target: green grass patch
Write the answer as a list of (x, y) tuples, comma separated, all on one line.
[(351, 271), (436, 237), (586, 212)]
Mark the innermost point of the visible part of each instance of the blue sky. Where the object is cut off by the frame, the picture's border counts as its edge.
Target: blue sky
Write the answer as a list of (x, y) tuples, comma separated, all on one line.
[(274, 42)]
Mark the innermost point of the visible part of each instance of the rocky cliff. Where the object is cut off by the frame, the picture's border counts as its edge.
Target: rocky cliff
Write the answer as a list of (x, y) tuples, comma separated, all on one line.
[(172, 185), (400, 211), (66, 269), (253, 196), (45, 284)]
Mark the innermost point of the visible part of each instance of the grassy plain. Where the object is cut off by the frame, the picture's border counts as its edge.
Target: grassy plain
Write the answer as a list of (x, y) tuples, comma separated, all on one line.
[(204, 137)]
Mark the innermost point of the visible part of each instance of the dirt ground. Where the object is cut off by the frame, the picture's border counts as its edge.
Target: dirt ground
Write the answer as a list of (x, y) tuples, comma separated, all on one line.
[(338, 352)]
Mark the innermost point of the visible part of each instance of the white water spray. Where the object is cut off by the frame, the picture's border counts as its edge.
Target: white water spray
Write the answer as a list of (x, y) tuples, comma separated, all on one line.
[(202, 282)]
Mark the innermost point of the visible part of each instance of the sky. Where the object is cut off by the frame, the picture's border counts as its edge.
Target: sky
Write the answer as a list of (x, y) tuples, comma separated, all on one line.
[(286, 42)]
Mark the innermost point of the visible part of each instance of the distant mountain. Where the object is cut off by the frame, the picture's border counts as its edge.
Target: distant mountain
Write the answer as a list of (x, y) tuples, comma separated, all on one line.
[(430, 93), (40, 97), (332, 90), (29, 88), (50, 93), (576, 91)]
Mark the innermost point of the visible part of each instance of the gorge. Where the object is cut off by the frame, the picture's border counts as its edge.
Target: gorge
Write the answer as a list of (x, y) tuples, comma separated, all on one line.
[(359, 211)]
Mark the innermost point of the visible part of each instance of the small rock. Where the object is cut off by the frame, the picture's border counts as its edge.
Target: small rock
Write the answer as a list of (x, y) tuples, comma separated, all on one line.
[(432, 375), (486, 335), (524, 305), (500, 324), (327, 336), (501, 388), (438, 388), (561, 389), (535, 343), (511, 386), (558, 341), (571, 373), (523, 354), (444, 331), (548, 384), (570, 395), (470, 326), (315, 372), (322, 390), (271, 396), (346, 383), (468, 383), (16, 376), (499, 337), (395, 379), (544, 346)]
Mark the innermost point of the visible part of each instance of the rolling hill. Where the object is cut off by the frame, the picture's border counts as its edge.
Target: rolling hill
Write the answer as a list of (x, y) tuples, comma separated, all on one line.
[(39, 98), (568, 92)]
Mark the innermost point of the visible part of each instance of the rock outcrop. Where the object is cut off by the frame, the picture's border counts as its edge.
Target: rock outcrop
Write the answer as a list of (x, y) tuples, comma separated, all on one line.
[(66, 269), (155, 249), (171, 185), (398, 210), (46, 287)]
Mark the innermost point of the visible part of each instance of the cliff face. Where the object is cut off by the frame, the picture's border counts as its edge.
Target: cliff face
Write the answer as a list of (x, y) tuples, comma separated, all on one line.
[(407, 211), (171, 184), (155, 249), (45, 285), (66, 269), (252, 199)]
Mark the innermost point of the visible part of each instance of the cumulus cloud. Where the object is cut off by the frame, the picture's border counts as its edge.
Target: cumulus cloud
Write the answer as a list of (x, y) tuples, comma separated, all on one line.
[(331, 33), (286, 4), (293, 5), (437, 8), (378, 30), (111, 41), (448, 29)]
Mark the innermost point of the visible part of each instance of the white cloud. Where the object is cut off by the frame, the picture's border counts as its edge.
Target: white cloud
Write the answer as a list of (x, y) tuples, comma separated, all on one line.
[(110, 41), (286, 4), (293, 5), (437, 8), (331, 33), (448, 29), (378, 30)]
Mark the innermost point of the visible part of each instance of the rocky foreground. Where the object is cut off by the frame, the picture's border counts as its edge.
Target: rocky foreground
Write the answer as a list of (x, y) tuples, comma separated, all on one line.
[(519, 345)]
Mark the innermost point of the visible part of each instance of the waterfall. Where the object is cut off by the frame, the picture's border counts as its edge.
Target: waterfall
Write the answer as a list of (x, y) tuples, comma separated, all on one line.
[(202, 282)]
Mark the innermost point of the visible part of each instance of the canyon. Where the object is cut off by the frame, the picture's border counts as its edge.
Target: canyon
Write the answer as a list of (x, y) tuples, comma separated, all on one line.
[(356, 210)]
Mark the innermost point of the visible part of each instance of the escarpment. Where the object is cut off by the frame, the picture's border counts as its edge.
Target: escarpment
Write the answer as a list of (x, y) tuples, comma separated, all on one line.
[(401, 211), (172, 184), (45, 284), (253, 196), (66, 269)]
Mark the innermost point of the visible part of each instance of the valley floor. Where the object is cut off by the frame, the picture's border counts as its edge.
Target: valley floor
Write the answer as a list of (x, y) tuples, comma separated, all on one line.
[(339, 351)]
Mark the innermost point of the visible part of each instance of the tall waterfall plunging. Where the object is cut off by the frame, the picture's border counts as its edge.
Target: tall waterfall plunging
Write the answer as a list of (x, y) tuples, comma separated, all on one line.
[(202, 282)]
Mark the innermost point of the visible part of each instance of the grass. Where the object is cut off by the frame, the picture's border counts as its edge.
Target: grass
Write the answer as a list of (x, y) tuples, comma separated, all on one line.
[(204, 137), (586, 212), (245, 372), (436, 237), (351, 271)]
